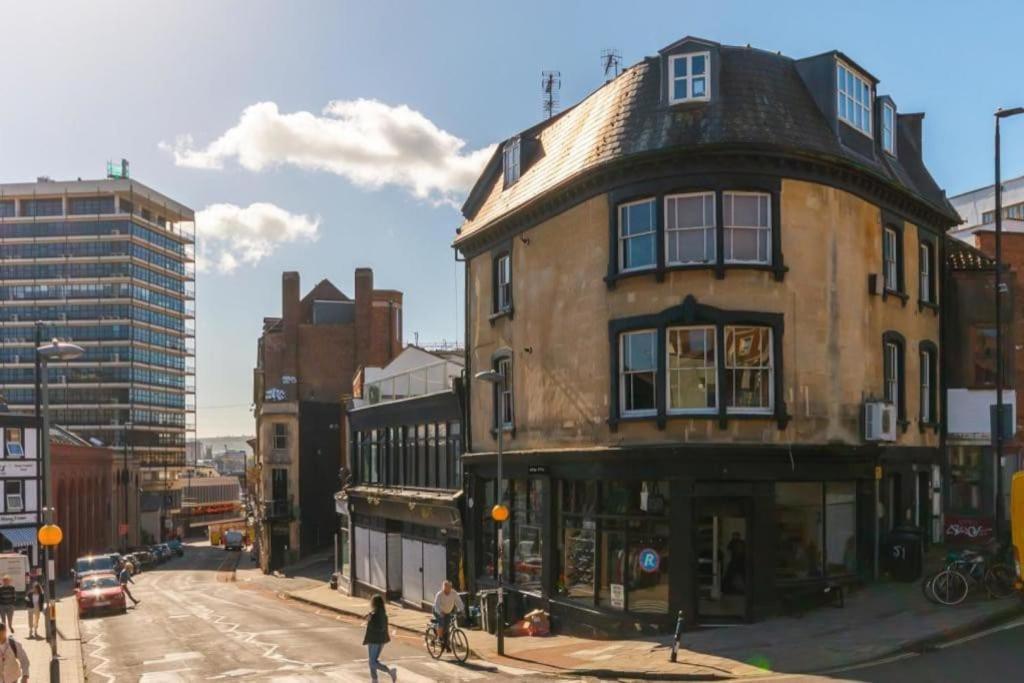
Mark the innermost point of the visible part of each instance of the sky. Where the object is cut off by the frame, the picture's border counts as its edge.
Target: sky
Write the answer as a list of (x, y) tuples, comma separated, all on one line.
[(324, 136)]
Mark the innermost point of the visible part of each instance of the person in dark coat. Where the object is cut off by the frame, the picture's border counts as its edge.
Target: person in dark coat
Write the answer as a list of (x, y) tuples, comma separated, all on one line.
[(376, 636)]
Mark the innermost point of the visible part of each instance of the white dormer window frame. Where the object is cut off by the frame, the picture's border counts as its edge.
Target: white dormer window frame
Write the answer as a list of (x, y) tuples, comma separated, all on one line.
[(693, 75), (854, 98), (889, 128), (511, 155)]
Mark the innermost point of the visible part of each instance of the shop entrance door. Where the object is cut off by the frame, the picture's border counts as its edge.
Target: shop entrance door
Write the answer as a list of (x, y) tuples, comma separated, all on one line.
[(412, 571), (722, 558)]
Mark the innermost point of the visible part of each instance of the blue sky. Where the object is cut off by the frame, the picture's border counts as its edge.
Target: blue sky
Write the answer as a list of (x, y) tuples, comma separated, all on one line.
[(91, 81)]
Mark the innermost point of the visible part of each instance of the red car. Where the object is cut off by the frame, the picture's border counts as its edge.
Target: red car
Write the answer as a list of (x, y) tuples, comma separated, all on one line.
[(100, 593)]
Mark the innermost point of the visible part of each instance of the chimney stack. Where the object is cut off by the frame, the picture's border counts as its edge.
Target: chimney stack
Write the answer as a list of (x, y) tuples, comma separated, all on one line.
[(290, 321), (364, 315)]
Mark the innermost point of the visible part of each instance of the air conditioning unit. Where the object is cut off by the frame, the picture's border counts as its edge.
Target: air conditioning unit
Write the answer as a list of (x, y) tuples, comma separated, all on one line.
[(15, 503), (879, 421)]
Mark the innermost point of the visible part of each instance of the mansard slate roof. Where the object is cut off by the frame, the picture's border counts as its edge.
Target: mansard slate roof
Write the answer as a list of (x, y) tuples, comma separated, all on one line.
[(761, 103)]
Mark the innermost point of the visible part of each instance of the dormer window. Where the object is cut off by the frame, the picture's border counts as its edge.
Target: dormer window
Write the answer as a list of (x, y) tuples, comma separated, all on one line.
[(889, 128), (511, 161), (688, 77), (854, 104)]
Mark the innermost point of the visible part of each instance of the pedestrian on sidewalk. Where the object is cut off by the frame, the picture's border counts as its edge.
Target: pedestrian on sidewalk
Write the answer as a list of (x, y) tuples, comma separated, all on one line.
[(8, 599), (36, 599), (376, 636), (13, 659), (125, 577)]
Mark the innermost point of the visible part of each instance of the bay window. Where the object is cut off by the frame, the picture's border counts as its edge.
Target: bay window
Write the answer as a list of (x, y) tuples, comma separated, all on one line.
[(747, 227), (638, 369), (748, 369), (690, 228), (637, 227), (692, 369)]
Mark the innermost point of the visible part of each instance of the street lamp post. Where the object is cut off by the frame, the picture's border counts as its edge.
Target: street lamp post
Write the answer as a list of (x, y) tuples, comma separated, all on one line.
[(499, 512), (999, 115), (125, 479), (59, 352)]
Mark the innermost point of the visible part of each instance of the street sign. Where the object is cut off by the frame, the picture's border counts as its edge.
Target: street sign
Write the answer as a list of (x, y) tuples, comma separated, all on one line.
[(649, 560), (618, 595), (537, 469), (878, 473)]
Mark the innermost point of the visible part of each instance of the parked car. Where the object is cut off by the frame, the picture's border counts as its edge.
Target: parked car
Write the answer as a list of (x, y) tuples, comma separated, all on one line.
[(145, 559), (167, 551), (92, 564), (159, 553), (234, 540), (177, 546), (100, 592)]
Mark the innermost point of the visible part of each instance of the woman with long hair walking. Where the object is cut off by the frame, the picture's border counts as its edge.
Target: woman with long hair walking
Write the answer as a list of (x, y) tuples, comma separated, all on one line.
[(376, 636)]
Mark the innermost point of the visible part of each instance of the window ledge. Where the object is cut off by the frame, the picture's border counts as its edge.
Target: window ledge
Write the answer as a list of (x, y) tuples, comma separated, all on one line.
[(921, 305), (779, 415), (720, 269), (902, 296), (494, 317)]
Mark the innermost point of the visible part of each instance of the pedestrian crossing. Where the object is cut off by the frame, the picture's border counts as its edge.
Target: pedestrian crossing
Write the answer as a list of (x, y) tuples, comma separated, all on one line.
[(410, 670)]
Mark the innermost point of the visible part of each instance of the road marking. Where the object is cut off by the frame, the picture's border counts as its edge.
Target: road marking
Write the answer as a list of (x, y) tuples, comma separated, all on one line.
[(174, 657), (163, 676), (981, 634), (866, 665)]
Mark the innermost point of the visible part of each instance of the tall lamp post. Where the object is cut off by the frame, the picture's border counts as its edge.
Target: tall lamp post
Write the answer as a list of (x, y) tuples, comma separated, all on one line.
[(50, 534), (999, 115), (499, 513), (122, 529)]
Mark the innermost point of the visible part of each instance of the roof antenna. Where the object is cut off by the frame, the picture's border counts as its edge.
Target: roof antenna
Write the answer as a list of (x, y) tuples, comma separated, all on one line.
[(611, 62), (550, 84)]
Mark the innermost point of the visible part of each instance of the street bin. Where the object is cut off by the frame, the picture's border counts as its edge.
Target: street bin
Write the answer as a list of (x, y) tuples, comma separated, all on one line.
[(488, 602), (904, 553)]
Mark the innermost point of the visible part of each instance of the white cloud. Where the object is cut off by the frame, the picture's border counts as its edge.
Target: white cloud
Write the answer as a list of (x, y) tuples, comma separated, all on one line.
[(230, 235), (370, 143)]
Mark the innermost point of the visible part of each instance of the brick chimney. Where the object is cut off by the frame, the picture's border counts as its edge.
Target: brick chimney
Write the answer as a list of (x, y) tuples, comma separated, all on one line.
[(290, 323), (364, 315)]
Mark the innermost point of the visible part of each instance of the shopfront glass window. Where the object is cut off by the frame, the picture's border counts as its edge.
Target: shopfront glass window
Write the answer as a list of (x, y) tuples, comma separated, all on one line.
[(612, 593), (580, 538), (841, 527), (798, 507), (527, 517), (648, 566), (965, 477), (488, 531), (344, 559)]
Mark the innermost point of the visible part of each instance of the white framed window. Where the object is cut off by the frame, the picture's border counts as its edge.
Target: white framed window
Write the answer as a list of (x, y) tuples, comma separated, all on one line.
[(637, 372), (889, 128), (692, 369), (749, 369), (854, 98), (747, 224), (925, 262), (510, 161), (280, 435), (927, 409), (504, 368), (891, 368), (504, 283), (890, 261), (689, 78), (637, 227), (690, 228)]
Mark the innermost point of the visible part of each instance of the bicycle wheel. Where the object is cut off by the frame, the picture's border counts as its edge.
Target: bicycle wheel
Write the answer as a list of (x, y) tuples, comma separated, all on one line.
[(999, 581), (459, 643), (435, 648), (926, 588), (950, 587)]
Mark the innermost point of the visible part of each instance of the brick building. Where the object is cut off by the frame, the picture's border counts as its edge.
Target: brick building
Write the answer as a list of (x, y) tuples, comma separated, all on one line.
[(306, 360)]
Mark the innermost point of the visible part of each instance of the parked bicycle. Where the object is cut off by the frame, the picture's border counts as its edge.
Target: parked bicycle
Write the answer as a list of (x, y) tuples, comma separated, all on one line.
[(454, 640), (965, 570)]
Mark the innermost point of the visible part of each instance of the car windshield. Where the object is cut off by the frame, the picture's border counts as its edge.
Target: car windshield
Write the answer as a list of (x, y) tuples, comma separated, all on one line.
[(100, 582), (93, 564)]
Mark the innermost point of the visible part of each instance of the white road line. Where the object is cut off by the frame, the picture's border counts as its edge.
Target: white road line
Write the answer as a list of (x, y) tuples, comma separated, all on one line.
[(981, 634), (453, 671), (174, 657), (866, 665)]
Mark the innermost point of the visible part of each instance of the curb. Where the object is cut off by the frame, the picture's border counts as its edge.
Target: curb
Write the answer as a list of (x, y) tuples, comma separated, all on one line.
[(928, 643)]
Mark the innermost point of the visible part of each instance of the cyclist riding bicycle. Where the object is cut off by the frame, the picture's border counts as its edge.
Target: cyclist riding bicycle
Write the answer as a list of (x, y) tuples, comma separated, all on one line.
[(446, 603)]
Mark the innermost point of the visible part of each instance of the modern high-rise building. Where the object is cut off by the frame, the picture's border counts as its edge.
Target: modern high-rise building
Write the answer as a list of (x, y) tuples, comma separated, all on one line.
[(109, 265)]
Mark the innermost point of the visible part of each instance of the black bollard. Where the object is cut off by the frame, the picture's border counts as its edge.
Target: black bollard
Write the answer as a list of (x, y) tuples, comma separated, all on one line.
[(675, 641)]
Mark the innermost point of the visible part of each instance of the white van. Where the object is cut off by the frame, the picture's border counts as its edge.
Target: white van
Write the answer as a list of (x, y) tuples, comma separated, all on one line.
[(14, 565)]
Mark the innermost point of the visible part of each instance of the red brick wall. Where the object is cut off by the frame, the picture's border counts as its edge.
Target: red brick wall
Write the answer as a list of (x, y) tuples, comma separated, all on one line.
[(82, 490)]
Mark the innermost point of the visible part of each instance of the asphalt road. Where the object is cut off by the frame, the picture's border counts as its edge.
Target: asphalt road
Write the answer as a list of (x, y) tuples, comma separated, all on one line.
[(191, 625), (993, 655)]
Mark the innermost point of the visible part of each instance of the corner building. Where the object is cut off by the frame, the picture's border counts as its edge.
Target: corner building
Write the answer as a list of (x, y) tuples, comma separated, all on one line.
[(697, 282)]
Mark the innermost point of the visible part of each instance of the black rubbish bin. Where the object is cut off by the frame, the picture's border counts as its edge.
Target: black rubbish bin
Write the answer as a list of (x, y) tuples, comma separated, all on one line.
[(487, 600), (904, 553)]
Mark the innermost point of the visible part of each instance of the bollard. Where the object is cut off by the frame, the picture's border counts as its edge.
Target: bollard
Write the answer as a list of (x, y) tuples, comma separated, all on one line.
[(675, 641)]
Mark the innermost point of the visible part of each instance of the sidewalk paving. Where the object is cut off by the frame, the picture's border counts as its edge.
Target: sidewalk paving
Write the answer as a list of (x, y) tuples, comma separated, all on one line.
[(69, 643), (878, 621)]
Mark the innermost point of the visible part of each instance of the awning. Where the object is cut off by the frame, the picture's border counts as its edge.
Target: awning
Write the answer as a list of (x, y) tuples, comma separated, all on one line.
[(20, 536)]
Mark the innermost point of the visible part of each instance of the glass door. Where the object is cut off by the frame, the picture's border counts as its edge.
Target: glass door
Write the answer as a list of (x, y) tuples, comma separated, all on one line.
[(722, 558)]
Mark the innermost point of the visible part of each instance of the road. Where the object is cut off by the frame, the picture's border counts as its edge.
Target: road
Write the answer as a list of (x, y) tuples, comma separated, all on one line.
[(192, 625), (992, 655)]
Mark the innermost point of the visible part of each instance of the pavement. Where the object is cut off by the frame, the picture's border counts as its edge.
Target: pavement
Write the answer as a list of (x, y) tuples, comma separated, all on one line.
[(878, 622), (68, 641)]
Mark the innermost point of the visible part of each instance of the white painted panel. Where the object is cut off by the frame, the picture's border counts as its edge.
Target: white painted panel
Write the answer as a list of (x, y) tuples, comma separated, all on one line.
[(378, 559), (31, 444), (395, 562), (362, 565), (412, 570), (969, 416), (31, 495), (433, 569)]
